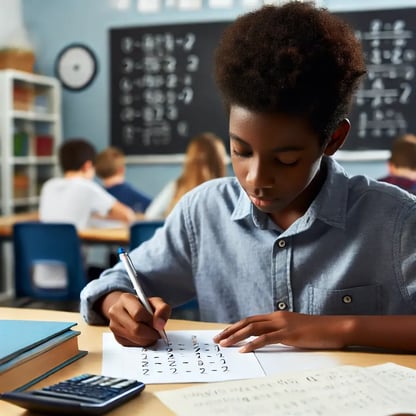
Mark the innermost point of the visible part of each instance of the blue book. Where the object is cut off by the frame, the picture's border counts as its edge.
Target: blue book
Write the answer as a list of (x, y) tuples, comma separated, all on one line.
[(32, 350), (19, 335)]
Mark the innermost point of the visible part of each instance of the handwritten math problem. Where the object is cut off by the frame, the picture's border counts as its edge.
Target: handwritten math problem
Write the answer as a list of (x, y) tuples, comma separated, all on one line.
[(191, 356)]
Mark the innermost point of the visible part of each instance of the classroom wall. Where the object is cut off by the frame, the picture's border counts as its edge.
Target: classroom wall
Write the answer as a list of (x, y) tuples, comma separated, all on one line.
[(54, 24)]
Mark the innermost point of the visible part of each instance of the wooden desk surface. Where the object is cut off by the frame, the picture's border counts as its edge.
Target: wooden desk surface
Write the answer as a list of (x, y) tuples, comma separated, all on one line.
[(90, 235), (147, 404)]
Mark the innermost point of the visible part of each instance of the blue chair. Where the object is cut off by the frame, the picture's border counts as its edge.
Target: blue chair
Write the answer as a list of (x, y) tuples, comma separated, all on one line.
[(144, 230), (48, 262)]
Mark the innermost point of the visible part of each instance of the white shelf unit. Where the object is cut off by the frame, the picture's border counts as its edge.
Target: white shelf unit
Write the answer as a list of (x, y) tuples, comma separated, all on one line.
[(30, 134)]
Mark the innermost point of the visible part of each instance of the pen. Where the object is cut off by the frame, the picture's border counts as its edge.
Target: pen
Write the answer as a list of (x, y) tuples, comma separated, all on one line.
[(131, 271)]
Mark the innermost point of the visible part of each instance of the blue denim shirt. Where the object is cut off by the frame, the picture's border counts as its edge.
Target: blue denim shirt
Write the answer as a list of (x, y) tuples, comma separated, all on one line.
[(352, 252)]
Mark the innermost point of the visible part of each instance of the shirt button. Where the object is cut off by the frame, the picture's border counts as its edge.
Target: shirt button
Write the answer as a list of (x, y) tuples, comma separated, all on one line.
[(347, 299), (281, 306), (281, 243)]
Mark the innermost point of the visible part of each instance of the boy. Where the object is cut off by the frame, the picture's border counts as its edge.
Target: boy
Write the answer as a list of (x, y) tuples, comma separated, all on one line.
[(402, 163), (111, 169), (75, 197), (293, 249)]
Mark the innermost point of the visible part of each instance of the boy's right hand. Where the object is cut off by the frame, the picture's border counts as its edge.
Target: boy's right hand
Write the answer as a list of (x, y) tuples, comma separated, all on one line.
[(131, 324)]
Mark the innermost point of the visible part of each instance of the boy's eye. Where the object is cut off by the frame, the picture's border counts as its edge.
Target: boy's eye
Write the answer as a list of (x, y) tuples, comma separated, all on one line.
[(287, 162), (240, 153)]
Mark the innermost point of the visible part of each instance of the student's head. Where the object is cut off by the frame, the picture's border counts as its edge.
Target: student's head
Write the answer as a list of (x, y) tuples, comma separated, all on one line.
[(77, 155), (403, 155), (110, 162), (294, 59), (205, 159), (287, 75)]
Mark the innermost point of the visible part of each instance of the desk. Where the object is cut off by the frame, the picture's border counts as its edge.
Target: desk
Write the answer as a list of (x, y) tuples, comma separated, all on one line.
[(92, 236), (147, 403), (117, 236)]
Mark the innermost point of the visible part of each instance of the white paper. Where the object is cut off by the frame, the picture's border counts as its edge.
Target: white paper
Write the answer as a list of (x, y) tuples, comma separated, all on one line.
[(191, 356), (280, 359), (49, 274), (343, 391)]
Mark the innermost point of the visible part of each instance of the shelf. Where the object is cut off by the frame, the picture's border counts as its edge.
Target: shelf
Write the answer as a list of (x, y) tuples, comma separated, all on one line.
[(33, 160), (32, 116), (30, 135), (34, 79)]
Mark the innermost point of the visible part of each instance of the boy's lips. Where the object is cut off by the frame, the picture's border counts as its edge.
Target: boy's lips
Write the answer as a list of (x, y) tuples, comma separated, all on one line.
[(261, 202)]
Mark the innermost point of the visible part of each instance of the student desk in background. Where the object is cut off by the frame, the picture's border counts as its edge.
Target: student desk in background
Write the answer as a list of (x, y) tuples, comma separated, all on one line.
[(119, 235), (147, 404)]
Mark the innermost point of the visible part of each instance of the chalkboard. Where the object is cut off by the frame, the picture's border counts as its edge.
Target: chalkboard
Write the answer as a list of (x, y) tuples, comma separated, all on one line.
[(385, 104), (162, 87), (163, 92)]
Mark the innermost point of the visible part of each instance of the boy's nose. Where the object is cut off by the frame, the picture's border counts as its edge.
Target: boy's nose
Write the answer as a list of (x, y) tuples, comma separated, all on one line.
[(258, 175)]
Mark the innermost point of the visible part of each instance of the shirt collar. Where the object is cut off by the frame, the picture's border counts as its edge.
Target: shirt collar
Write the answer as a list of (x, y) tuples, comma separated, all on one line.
[(329, 206)]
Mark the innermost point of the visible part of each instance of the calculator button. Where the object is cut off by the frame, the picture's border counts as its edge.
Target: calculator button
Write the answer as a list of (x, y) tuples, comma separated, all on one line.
[(91, 380), (80, 377), (110, 381), (124, 384)]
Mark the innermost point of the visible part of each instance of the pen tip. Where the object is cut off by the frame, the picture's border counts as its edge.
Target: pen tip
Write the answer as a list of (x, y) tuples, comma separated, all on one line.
[(121, 250)]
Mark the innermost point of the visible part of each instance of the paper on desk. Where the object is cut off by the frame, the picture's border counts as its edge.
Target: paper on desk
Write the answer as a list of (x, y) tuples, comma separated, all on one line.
[(280, 359), (192, 356), (344, 390)]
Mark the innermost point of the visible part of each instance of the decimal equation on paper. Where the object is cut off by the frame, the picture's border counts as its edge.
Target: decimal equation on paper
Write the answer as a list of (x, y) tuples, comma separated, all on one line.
[(183, 356), (191, 356)]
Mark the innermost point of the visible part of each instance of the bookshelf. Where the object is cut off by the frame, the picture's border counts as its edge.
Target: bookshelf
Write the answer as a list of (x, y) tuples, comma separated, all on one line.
[(30, 133)]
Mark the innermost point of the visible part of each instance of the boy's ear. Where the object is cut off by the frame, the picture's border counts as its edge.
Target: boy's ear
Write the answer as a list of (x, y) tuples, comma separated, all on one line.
[(87, 165), (338, 137)]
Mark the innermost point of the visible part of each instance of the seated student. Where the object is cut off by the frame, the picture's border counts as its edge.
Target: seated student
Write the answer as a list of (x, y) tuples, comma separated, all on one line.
[(293, 250), (205, 159), (111, 169), (402, 163), (75, 197)]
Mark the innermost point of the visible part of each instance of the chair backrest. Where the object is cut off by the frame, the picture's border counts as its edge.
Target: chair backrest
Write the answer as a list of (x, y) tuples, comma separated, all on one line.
[(48, 262), (142, 231)]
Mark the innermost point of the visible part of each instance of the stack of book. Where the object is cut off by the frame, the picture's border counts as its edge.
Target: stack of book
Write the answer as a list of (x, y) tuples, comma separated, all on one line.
[(32, 350)]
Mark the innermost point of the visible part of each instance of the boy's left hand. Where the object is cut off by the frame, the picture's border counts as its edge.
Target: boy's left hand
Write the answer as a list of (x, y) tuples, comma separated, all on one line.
[(289, 328)]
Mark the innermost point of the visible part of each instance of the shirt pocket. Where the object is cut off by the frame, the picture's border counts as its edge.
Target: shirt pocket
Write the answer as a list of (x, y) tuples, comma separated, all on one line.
[(362, 300)]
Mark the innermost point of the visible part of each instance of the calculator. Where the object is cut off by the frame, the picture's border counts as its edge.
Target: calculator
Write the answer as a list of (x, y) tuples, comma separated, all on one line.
[(83, 394)]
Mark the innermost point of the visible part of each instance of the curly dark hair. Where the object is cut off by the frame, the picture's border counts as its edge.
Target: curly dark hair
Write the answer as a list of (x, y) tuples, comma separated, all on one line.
[(294, 59)]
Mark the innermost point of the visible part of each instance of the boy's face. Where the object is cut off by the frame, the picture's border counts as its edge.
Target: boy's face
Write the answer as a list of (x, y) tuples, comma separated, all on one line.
[(276, 159)]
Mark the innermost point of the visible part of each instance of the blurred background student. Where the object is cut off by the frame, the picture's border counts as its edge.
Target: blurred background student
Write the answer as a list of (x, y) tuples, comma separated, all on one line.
[(110, 167), (402, 163), (205, 159), (76, 198)]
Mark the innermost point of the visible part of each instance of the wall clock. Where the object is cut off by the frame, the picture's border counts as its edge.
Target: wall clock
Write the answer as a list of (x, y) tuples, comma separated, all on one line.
[(76, 67)]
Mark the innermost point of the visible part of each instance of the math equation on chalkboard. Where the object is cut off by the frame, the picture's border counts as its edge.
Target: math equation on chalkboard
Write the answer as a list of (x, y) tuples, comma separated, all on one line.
[(162, 87), (385, 102), (163, 90)]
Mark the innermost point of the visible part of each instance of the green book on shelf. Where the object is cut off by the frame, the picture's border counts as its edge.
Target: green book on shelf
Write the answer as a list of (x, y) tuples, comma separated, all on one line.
[(31, 350)]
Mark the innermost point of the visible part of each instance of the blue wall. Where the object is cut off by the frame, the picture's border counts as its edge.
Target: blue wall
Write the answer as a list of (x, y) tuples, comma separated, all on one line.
[(53, 24)]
